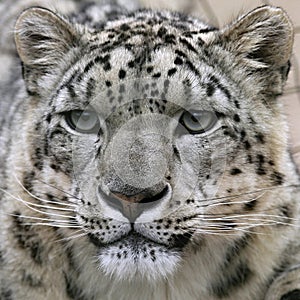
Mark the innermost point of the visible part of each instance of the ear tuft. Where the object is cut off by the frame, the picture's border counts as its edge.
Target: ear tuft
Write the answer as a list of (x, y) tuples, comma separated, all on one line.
[(42, 37), (263, 38)]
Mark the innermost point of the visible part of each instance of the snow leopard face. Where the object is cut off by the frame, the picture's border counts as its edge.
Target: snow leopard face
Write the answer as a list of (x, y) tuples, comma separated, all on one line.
[(159, 134)]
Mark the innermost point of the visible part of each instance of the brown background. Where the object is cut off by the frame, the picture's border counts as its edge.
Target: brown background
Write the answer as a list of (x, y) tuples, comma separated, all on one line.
[(219, 12)]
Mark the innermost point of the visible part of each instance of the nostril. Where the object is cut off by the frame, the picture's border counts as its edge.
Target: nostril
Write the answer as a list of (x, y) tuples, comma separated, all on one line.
[(111, 201), (156, 197), (132, 206)]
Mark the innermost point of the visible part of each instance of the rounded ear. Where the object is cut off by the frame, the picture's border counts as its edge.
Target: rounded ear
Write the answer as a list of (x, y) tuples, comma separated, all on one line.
[(263, 38), (43, 38)]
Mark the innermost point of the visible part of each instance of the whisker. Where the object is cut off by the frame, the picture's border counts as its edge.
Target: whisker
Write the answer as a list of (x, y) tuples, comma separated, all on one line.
[(48, 206), (53, 225), (41, 199), (43, 212), (249, 192), (41, 219), (234, 202), (60, 190), (73, 236)]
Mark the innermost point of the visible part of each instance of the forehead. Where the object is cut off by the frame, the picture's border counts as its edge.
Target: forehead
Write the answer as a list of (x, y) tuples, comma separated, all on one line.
[(161, 58)]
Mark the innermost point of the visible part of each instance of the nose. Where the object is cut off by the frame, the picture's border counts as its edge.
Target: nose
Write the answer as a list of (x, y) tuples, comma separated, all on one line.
[(132, 206)]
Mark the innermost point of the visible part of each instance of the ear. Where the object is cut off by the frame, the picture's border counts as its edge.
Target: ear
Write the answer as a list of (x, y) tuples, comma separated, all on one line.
[(43, 38), (263, 38)]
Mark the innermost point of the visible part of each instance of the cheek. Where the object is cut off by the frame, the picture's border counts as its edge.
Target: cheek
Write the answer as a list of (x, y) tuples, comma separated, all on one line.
[(60, 151)]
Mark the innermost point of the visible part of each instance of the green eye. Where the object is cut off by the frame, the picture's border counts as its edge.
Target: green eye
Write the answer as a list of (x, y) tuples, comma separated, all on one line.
[(83, 121), (198, 121)]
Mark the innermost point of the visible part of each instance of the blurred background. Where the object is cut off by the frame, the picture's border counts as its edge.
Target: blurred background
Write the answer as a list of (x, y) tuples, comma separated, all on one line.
[(218, 13)]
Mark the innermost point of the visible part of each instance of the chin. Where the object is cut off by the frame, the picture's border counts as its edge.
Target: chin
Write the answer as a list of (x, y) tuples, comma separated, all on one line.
[(135, 258)]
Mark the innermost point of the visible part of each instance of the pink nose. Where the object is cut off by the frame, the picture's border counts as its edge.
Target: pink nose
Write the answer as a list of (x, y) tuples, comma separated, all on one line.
[(131, 199)]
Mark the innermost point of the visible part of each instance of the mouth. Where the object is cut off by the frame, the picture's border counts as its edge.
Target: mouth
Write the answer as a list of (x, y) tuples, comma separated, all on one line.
[(133, 239), (136, 240)]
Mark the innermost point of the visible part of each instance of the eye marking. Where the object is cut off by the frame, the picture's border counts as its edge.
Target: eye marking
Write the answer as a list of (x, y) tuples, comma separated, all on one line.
[(83, 121), (198, 121)]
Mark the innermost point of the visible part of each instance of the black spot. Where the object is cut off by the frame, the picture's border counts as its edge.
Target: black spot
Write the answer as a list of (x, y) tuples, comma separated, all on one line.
[(122, 74), (156, 75), (227, 224), (31, 280), (235, 171), (251, 205), (181, 240), (286, 212), (108, 83), (170, 39), (233, 279), (277, 178), (292, 295), (260, 138), (217, 83), (125, 27), (237, 104), (260, 165), (247, 145), (28, 180), (236, 118), (131, 64), (72, 290), (88, 66), (243, 135), (149, 69), (6, 294), (90, 88), (1, 258), (166, 84), (162, 31), (122, 88), (107, 67), (48, 118), (178, 61), (95, 240), (27, 238), (109, 93), (38, 158), (249, 158), (180, 53), (172, 71), (188, 45), (210, 89)]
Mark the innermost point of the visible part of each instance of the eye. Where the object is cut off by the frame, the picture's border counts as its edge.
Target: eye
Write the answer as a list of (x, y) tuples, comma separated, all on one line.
[(83, 121), (198, 121)]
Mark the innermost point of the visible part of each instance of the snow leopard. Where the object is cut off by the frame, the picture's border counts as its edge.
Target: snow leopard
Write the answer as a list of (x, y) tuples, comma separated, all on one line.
[(144, 154)]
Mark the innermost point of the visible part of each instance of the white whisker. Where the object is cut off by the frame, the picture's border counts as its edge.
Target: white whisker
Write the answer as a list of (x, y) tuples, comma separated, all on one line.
[(41, 219), (41, 199)]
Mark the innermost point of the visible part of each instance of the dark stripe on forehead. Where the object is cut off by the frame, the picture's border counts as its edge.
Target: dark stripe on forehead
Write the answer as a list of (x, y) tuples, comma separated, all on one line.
[(187, 45), (103, 60), (216, 83)]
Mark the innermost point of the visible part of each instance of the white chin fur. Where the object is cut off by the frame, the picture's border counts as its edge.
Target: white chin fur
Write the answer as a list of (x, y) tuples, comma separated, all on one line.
[(127, 261)]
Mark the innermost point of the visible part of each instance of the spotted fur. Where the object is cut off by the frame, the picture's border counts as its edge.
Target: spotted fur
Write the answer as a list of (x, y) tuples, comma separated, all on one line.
[(144, 155)]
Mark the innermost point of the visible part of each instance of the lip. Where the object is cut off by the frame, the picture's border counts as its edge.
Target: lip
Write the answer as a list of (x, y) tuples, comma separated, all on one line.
[(134, 238)]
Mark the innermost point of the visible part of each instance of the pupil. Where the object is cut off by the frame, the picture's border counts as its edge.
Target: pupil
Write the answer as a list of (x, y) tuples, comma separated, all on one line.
[(194, 119)]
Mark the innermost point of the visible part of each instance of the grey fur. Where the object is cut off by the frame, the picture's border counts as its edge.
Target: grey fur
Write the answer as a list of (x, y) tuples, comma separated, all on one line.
[(135, 200)]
